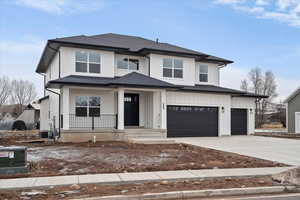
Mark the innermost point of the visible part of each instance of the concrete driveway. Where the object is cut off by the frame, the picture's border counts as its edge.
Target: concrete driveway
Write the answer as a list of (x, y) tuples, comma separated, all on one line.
[(275, 149)]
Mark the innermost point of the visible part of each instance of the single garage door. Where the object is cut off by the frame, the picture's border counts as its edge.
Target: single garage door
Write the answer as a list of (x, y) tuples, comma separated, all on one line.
[(238, 121), (192, 121)]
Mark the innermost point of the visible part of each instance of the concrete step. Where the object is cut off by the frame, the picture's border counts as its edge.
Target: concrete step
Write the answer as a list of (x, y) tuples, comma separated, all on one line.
[(152, 141), (142, 130), (145, 134)]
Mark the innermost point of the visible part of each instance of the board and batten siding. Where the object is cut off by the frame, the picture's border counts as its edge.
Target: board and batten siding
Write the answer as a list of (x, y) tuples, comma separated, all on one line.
[(205, 99), (293, 107), (249, 104)]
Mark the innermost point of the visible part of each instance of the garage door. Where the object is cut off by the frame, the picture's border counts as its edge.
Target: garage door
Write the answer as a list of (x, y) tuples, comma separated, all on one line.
[(192, 121), (238, 121)]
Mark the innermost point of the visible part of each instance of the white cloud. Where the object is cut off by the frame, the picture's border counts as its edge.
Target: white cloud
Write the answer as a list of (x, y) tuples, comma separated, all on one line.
[(285, 11), (63, 6), (232, 76)]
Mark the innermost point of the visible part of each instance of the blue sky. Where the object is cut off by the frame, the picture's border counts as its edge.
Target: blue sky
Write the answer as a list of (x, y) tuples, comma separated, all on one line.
[(253, 33)]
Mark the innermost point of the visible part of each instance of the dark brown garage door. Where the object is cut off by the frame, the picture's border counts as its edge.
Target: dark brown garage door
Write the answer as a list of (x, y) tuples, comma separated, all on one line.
[(192, 121), (238, 121)]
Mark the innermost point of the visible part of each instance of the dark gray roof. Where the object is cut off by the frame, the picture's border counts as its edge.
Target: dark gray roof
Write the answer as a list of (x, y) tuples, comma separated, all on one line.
[(132, 79), (122, 44), (140, 80)]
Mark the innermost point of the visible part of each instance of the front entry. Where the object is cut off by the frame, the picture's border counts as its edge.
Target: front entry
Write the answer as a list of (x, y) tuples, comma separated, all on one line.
[(131, 109)]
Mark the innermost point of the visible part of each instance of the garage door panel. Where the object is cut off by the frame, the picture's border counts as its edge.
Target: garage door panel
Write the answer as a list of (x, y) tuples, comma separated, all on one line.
[(239, 121), (192, 121)]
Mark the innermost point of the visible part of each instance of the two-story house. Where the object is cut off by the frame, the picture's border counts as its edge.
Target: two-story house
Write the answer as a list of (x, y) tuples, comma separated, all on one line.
[(108, 86)]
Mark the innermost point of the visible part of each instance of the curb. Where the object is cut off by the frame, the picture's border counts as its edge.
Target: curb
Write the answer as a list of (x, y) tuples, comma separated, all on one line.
[(200, 193)]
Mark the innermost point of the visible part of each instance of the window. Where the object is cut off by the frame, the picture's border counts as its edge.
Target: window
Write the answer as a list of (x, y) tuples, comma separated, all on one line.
[(172, 68), (87, 106), (128, 63), (87, 62), (203, 76)]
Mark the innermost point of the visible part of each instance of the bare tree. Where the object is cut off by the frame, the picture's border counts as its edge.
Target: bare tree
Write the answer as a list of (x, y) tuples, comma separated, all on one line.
[(22, 93), (262, 85), (245, 85), (5, 89)]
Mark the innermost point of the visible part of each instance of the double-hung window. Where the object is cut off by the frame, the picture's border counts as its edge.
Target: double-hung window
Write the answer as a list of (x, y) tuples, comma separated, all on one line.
[(203, 75), (87, 106), (172, 68), (88, 62), (128, 63)]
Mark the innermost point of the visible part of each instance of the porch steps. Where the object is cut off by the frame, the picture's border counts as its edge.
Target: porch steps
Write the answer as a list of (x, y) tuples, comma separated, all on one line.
[(151, 141), (147, 136)]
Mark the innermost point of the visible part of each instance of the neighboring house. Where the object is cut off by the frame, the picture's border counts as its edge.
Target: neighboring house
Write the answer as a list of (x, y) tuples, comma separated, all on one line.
[(31, 115), (108, 85), (7, 116), (293, 112)]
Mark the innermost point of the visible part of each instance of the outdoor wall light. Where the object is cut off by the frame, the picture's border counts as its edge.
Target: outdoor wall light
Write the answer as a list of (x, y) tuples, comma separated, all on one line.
[(223, 109), (251, 111)]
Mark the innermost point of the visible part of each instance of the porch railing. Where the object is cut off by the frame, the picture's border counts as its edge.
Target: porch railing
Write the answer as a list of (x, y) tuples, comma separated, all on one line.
[(92, 122)]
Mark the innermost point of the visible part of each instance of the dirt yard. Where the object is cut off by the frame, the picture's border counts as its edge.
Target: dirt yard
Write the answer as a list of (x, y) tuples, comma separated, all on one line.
[(52, 159), (93, 190)]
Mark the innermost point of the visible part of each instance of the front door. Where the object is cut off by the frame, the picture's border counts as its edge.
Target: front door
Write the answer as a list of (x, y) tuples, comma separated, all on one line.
[(131, 109)]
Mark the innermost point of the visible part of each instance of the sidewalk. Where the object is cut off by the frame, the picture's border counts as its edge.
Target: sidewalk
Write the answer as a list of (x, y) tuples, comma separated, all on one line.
[(122, 178)]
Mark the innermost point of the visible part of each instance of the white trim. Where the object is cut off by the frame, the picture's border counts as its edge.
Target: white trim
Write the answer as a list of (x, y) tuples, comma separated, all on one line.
[(287, 116), (295, 93), (297, 120)]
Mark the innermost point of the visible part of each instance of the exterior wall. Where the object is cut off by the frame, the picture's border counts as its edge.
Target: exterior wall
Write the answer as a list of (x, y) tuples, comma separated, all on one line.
[(213, 74), (68, 62), (143, 65), (44, 115), (28, 116), (293, 107), (249, 104), (205, 99), (156, 70)]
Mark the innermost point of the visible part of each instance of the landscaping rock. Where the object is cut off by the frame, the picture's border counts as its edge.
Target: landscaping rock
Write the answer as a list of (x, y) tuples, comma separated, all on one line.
[(290, 176), (75, 187), (33, 193)]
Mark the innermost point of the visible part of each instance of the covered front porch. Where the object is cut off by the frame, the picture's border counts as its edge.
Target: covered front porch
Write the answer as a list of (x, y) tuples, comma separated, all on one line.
[(96, 109)]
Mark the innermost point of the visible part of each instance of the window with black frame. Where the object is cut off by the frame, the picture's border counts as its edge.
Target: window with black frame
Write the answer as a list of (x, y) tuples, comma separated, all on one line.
[(87, 106)]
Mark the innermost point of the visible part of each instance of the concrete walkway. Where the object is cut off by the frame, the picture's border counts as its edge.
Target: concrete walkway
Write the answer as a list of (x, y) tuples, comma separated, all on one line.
[(268, 148), (121, 178)]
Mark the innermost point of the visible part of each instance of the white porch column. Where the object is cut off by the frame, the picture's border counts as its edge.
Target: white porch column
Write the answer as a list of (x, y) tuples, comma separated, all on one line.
[(163, 110), (120, 108), (65, 106), (156, 109)]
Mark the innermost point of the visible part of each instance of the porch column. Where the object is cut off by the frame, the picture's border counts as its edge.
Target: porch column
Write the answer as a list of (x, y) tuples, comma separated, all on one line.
[(156, 109), (65, 105), (163, 110), (120, 109)]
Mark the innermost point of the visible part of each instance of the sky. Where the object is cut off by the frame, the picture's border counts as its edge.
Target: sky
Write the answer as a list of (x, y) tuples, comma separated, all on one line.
[(252, 33)]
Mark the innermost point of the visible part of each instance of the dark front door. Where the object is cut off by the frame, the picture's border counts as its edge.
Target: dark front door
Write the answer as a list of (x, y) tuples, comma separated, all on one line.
[(239, 121), (192, 121), (131, 109)]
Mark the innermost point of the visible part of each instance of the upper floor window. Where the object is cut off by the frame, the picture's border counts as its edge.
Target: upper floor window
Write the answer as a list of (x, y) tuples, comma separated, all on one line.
[(172, 68), (128, 63), (87, 106), (203, 76), (88, 62)]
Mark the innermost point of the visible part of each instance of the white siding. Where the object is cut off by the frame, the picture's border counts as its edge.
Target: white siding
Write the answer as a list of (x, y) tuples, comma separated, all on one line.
[(44, 112), (249, 104), (213, 74), (156, 70), (143, 65), (202, 99), (68, 62)]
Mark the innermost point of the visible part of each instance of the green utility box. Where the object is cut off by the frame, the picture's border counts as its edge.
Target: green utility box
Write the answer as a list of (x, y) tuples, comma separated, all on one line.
[(13, 160)]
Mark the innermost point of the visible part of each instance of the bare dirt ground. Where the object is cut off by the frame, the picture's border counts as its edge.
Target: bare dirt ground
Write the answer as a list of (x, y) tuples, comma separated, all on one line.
[(280, 135), (53, 159), (92, 190)]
